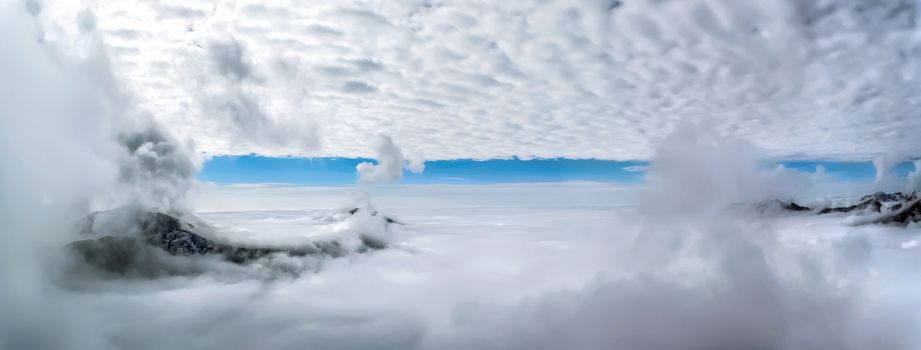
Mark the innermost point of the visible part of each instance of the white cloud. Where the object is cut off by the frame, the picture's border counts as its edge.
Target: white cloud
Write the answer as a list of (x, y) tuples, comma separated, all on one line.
[(522, 266), (457, 79), (885, 180), (415, 163), (72, 142), (390, 163), (636, 168), (914, 178), (695, 167)]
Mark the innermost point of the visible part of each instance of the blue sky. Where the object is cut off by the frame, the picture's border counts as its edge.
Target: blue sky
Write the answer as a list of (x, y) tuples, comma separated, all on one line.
[(341, 171)]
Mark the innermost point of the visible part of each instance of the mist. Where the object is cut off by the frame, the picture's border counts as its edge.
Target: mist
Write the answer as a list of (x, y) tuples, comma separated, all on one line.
[(691, 275), (72, 143)]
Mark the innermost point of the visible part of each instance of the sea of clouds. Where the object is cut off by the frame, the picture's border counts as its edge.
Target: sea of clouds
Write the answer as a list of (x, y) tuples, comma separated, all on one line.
[(520, 266)]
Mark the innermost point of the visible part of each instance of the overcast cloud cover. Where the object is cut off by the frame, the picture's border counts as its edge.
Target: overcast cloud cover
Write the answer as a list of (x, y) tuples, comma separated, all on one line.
[(469, 79)]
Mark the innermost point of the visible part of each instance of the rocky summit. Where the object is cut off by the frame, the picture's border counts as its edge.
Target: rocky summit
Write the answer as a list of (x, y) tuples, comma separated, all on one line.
[(879, 208), (125, 237)]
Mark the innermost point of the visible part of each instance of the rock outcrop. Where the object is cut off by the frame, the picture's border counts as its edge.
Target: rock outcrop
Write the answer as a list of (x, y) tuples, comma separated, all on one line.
[(123, 239), (875, 203), (902, 213), (880, 208)]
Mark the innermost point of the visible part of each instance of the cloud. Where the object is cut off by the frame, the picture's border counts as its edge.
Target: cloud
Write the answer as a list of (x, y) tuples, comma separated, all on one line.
[(697, 167), (415, 163), (231, 96), (687, 277), (914, 178), (390, 163), (885, 180), (229, 59), (528, 79), (72, 142), (68, 99), (676, 273), (158, 169), (358, 87), (636, 168), (695, 276)]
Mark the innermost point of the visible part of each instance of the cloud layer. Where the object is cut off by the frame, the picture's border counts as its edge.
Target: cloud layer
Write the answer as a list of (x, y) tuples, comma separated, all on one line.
[(460, 79)]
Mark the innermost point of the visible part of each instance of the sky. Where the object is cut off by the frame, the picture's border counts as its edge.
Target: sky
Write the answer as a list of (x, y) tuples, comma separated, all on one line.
[(341, 171), (594, 79)]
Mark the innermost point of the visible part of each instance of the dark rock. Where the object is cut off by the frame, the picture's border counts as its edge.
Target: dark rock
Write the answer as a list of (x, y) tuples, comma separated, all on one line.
[(881, 208), (885, 197), (873, 202), (902, 213), (388, 220), (866, 202), (886, 208), (118, 251), (791, 206), (838, 209), (370, 243), (120, 255), (776, 206), (167, 232)]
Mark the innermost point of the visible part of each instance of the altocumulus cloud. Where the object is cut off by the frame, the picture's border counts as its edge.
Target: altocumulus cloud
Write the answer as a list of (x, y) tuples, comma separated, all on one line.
[(458, 79)]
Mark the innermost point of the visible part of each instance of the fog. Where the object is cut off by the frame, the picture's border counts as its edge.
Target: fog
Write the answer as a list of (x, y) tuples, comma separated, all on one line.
[(659, 265), (71, 144)]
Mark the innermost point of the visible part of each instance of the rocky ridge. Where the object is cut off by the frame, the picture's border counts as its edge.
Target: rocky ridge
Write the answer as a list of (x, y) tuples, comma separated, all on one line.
[(879, 208), (123, 239)]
